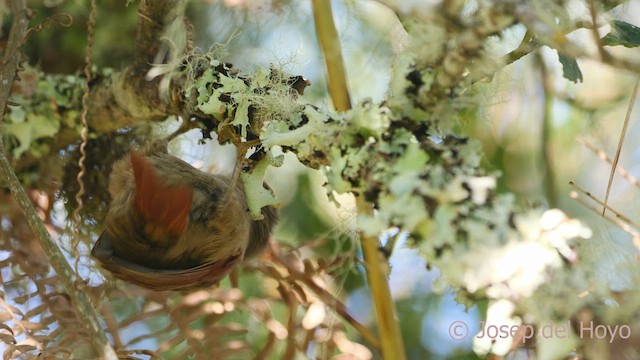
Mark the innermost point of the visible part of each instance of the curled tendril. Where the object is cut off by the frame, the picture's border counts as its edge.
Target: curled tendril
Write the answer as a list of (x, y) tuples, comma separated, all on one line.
[(84, 132), (64, 20)]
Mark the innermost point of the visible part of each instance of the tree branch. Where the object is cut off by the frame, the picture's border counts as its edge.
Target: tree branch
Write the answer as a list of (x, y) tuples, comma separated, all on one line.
[(153, 19), (130, 96), (387, 318), (328, 299), (12, 55)]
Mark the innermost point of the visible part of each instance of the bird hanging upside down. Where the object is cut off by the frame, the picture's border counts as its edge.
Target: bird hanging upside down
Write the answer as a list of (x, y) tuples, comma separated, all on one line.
[(173, 227)]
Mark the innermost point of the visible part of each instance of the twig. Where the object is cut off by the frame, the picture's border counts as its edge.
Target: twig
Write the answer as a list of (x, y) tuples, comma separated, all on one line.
[(55, 255), (616, 158), (330, 43), (547, 127), (292, 304), (534, 40), (603, 156), (268, 347), (616, 221), (525, 48), (153, 19), (128, 97), (604, 55), (618, 215), (328, 299), (390, 336), (112, 325), (11, 60)]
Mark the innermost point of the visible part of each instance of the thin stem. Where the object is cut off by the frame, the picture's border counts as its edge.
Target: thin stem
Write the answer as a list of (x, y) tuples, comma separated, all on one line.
[(604, 55), (588, 194), (526, 47), (330, 44), (614, 220), (388, 324), (326, 297), (603, 156), (547, 127), (531, 42), (616, 157)]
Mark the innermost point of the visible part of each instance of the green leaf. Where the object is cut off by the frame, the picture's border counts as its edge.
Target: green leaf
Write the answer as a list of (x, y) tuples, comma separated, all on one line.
[(622, 33), (570, 69)]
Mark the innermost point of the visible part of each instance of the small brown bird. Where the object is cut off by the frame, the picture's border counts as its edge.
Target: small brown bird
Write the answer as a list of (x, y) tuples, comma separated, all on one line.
[(173, 227)]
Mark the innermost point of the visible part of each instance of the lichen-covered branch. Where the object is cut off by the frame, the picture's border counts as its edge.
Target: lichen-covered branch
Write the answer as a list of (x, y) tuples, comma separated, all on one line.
[(133, 95), (154, 17), (51, 104)]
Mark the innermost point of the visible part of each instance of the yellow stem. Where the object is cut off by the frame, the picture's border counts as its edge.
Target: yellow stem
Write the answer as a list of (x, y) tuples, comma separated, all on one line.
[(389, 327), (330, 44)]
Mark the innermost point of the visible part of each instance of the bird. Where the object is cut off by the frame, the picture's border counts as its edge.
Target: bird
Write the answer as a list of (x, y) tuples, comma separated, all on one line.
[(173, 227)]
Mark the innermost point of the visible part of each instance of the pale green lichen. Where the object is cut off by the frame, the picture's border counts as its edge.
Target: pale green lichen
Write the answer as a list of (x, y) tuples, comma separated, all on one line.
[(369, 120), (280, 133), (407, 210), (334, 173), (29, 129), (257, 195), (209, 101), (40, 112), (241, 117)]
